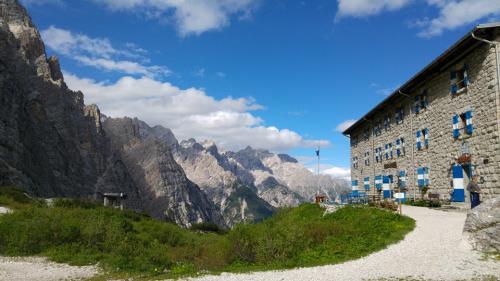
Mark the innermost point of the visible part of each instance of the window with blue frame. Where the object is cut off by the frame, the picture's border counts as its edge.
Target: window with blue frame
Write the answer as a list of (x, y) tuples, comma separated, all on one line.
[(399, 115), (459, 80), (421, 102), (367, 158), (462, 124), (400, 147), (387, 122)]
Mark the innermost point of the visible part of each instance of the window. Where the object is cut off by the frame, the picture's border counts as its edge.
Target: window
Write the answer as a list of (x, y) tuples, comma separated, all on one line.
[(355, 162), (387, 122), (367, 158), (366, 134), (354, 141), (423, 179), (399, 115), (421, 102), (400, 147), (388, 151), (366, 183), (377, 130), (378, 154), (459, 80), (422, 139), (462, 122)]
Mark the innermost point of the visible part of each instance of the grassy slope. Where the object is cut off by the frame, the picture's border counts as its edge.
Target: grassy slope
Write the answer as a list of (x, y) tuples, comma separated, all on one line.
[(127, 243)]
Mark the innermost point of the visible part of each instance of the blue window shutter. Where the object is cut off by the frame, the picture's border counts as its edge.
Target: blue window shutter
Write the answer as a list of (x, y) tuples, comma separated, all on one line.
[(466, 77), (426, 176), (402, 178), (453, 82), (420, 177), (417, 104), (424, 99), (419, 141), (468, 123), (456, 130), (426, 137), (398, 147)]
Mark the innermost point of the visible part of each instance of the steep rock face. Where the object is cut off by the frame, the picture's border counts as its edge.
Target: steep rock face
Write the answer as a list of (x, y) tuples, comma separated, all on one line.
[(165, 191), (50, 142), (482, 226)]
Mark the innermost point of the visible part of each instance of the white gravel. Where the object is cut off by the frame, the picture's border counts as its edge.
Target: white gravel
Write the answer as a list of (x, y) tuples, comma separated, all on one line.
[(435, 250), (36, 268)]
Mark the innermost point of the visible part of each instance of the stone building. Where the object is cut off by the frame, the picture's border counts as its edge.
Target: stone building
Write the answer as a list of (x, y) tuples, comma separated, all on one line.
[(438, 129)]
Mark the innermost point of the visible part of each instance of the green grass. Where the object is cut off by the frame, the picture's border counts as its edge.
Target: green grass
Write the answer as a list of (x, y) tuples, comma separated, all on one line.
[(125, 243)]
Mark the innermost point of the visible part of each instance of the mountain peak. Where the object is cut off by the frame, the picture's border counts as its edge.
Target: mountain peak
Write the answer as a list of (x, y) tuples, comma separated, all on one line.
[(15, 17)]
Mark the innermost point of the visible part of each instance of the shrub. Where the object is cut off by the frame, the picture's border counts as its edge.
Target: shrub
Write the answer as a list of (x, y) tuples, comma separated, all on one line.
[(207, 227), (76, 203), (425, 203)]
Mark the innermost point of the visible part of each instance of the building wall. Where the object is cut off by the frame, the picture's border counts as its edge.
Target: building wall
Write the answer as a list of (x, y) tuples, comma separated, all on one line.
[(481, 97)]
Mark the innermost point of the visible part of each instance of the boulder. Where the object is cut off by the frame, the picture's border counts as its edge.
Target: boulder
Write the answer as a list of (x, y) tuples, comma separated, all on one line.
[(482, 226)]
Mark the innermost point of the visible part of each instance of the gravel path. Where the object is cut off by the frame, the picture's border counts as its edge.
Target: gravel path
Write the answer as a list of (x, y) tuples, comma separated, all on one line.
[(434, 250), (35, 268)]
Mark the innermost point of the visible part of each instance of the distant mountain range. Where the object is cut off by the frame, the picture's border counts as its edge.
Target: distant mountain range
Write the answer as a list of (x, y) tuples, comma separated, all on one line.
[(53, 145)]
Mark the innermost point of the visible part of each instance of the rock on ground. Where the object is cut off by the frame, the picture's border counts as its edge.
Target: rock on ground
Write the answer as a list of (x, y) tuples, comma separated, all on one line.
[(482, 226), (35, 268), (435, 250), (4, 210)]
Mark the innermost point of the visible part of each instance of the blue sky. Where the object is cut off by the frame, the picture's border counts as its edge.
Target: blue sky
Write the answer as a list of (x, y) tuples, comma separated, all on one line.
[(281, 75)]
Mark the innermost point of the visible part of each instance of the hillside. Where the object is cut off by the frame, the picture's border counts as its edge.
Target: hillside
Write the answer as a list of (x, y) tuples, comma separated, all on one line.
[(124, 242)]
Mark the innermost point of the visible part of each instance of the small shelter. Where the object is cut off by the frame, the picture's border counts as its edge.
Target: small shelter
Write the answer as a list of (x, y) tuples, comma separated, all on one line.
[(114, 200), (320, 198)]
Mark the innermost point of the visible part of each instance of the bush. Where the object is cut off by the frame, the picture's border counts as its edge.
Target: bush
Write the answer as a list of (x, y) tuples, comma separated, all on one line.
[(425, 203), (16, 198), (385, 204), (76, 203), (207, 227)]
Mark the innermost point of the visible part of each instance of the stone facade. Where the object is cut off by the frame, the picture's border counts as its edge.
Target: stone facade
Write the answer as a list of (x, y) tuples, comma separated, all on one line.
[(480, 96)]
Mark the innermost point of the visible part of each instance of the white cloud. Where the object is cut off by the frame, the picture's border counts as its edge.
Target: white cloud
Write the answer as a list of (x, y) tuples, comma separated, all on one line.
[(338, 173), (189, 17), (454, 14), (344, 125), (189, 112), (363, 8), (99, 53)]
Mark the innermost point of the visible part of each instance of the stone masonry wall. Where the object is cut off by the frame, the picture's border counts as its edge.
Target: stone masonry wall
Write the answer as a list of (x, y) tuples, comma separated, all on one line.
[(481, 97)]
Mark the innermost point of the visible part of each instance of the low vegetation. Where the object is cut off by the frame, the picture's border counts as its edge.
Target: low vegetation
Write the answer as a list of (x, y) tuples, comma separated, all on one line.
[(127, 243), (424, 203)]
